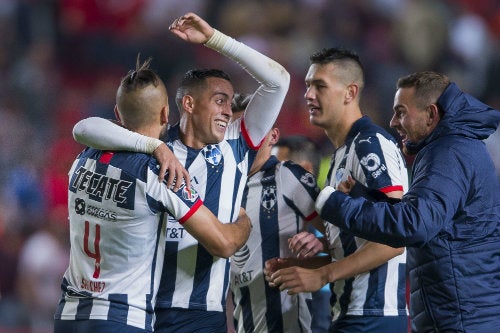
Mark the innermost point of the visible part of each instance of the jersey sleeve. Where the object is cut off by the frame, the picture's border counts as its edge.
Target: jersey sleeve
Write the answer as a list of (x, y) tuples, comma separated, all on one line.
[(274, 80), (103, 134), (181, 204), (299, 188), (381, 165)]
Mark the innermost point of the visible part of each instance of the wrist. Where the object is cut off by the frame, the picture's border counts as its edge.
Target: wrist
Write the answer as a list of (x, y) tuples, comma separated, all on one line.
[(217, 40), (328, 273), (151, 144)]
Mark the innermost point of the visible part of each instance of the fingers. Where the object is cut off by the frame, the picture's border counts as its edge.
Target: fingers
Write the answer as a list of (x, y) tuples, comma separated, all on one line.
[(171, 178), (181, 20), (305, 244), (285, 279), (162, 172), (187, 179)]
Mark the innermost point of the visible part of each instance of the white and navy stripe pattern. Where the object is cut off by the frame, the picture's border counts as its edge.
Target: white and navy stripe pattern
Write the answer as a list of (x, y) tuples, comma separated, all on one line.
[(371, 156), (192, 278), (118, 214), (278, 199)]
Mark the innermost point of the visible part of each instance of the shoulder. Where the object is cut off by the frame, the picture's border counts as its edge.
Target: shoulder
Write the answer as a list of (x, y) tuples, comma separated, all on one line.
[(135, 164), (374, 139), (294, 170)]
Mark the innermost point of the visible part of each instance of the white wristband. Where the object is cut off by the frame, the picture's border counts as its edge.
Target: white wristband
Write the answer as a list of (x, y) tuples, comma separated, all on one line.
[(217, 41), (151, 144), (322, 197)]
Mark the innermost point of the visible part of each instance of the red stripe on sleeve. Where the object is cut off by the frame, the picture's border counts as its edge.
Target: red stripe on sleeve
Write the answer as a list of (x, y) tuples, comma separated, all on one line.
[(391, 188), (313, 215), (193, 210), (106, 157), (249, 142)]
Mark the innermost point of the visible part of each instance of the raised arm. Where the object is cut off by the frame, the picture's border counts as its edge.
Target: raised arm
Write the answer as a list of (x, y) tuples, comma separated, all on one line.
[(104, 134), (274, 80)]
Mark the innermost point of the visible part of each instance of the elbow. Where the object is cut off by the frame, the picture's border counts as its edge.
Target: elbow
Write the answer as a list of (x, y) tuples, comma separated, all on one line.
[(281, 82), (78, 131), (81, 130), (399, 251), (285, 79), (223, 251), (284, 82)]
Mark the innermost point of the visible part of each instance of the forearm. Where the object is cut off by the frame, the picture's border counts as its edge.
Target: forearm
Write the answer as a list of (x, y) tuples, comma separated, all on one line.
[(274, 81), (236, 234), (408, 223), (368, 257), (103, 134)]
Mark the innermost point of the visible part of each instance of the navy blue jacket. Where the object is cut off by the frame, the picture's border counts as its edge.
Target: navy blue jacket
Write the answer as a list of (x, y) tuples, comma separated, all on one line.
[(449, 219)]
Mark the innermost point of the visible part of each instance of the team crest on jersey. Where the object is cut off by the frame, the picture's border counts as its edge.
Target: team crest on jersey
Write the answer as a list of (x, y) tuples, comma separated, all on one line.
[(188, 194), (268, 199), (339, 175), (212, 154), (308, 180)]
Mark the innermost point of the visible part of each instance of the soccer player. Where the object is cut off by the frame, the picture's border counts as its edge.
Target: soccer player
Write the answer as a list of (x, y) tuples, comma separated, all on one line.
[(192, 295), (450, 217), (279, 199), (118, 222), (368, 279)]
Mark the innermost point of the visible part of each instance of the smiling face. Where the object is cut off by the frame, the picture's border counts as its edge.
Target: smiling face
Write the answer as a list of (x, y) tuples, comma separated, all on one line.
[(211, 112), (412, 121), (325, 94)]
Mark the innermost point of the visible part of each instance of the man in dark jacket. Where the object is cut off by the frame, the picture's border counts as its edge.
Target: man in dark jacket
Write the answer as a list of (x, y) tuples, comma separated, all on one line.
[(450, 217)]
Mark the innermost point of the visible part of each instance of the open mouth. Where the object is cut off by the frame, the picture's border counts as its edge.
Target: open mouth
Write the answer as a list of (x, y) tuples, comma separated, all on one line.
[(404, 138), (313, 109), (221, 124)]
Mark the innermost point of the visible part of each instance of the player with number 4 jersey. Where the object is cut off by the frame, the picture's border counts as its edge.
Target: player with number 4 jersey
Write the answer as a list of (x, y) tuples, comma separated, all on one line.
[(119, 213), (215, 151)]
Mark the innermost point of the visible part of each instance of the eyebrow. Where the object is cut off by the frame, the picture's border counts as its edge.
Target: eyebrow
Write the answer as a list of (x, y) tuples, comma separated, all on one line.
[(220, 93), (314, 81)]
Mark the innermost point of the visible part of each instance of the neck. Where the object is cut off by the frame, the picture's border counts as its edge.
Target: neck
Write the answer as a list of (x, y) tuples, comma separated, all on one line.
[(259, 161), (337, 132), (151, 131), (186, 134)]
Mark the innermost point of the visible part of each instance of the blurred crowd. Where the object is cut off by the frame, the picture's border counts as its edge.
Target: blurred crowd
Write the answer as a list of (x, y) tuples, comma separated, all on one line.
[(61, 61)]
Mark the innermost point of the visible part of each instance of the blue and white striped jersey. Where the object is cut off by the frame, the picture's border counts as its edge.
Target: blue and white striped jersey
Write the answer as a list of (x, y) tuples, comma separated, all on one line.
[(278, 199), (118, 212), (192, 278), (371, 156)]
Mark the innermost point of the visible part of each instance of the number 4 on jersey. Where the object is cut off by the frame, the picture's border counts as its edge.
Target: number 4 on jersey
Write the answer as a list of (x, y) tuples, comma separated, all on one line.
[(96, 255)]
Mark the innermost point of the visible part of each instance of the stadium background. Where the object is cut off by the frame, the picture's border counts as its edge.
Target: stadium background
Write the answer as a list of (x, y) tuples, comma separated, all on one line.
[(61, 61)]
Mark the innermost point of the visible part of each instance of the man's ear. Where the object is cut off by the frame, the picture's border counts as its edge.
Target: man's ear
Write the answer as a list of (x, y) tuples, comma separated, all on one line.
[(352, 92), (188, 103), (164, 115), (117, 114), (434, 116), (275, 135)]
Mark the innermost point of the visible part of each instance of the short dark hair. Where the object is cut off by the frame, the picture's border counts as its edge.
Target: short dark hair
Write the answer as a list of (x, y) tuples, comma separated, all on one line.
[(428, 85), (348, 59), (325, 56), (140, 77), (195, 79)]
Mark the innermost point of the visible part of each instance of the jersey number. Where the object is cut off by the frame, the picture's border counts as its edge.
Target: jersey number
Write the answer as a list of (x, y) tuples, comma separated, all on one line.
[(96, 255)]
